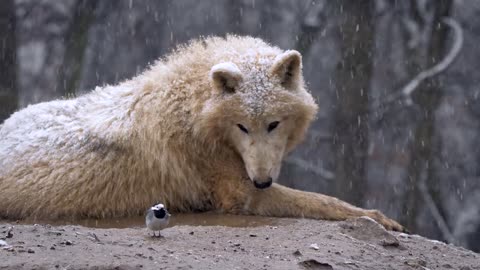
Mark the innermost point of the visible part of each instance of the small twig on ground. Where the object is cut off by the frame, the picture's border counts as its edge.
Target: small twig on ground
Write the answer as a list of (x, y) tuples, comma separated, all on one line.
[(94, 236), (90, 235), (55, 232)]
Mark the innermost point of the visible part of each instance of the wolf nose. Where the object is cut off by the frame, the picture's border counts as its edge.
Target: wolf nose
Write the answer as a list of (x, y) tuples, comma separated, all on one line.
[(262, 185)]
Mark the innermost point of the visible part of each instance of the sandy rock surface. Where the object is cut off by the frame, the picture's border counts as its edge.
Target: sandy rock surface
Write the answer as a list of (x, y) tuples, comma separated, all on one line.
[(253, 243)]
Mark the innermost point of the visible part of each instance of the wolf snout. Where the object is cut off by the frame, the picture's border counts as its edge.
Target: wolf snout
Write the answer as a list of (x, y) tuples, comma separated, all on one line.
[(263, 184)]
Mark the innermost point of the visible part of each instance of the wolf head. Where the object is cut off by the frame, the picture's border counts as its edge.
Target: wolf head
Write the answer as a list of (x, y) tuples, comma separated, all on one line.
[(260, 107)]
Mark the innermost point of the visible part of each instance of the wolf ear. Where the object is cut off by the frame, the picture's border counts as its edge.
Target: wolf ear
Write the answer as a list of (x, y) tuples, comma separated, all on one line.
[(226, 77), (288, 68)]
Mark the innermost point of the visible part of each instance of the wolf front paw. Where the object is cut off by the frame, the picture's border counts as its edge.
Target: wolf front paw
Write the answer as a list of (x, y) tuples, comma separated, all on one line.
[(388, 223)]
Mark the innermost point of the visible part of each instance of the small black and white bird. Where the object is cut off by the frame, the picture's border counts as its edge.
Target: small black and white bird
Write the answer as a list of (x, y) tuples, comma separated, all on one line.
[(157, 218)]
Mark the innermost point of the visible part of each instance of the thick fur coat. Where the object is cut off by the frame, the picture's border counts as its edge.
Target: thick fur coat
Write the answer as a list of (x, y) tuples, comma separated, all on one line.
[(205, 128)]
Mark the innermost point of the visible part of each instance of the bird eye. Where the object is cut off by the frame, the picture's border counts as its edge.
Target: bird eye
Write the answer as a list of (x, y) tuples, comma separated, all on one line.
[(242, 128), (272, 126)]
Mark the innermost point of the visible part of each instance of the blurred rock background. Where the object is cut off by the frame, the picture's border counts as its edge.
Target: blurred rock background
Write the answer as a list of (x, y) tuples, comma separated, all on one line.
[(414, 156)]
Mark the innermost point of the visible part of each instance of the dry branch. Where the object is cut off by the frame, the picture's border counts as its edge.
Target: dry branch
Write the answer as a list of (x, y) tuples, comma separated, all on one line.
[(410, 87), (328, 175), (430, 203)]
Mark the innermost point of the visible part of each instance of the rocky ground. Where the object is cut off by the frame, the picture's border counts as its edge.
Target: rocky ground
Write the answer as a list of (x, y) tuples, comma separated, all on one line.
[(207, 241)]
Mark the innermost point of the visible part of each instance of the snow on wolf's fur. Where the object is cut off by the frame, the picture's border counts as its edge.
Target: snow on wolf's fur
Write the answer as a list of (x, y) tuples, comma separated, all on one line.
[(170, 134)]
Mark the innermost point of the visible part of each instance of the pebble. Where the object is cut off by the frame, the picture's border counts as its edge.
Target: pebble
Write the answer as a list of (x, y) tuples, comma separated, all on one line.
[(297, 253), (9, 232), (66, 242), (314, 246)]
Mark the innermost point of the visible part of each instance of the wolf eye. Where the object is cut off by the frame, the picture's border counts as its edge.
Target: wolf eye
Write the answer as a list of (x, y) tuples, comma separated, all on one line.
[(242, 128), (272, 126)]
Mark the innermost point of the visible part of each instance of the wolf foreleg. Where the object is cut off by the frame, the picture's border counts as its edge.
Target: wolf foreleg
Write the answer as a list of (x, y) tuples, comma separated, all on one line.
[(281, 201)]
